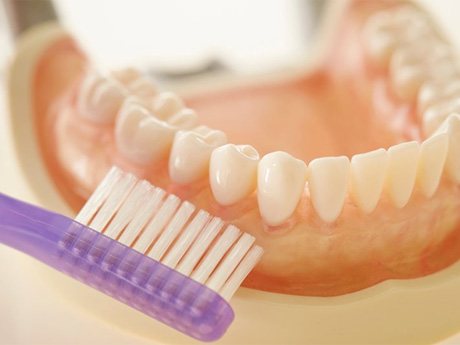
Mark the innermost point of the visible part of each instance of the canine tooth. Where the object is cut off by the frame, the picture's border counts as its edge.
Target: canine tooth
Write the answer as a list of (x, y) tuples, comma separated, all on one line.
[(233, 172), (141, 137), (437, 113), (328, 179), (401, 172), (186, 118), (433, 152), (126, 75), (99, 98), (367, 178), (451, 126), (190, 154), (280, 184), (143, 87), (167, 104)]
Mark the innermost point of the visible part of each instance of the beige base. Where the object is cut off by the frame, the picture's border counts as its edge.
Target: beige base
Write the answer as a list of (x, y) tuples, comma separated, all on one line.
[(423, 310)]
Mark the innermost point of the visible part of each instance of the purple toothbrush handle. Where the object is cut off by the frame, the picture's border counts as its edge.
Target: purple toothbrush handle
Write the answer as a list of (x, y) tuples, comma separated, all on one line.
[(115, 269)]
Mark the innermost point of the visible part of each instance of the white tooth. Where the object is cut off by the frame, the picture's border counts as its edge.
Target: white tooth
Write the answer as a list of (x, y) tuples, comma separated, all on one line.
[(184, 119), (434, 116), (99, 98), (167, 104), (401, 172), (406, 81), (452, 127), (126, 75), (190, 154), (368, 172), (378, 37), (143, 87), (433, 152), (433, 91), (233, 172), (140, 137), (328, 179), (280, 184)]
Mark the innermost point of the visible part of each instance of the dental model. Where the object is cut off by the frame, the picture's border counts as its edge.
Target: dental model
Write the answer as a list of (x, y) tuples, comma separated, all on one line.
[(347, 176)]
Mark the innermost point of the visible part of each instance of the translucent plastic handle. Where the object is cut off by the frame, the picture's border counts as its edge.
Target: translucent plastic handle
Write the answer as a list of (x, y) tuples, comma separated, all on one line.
[(114, 269)]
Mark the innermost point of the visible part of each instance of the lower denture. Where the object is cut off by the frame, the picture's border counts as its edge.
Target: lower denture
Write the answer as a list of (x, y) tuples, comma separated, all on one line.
[(335, 225)]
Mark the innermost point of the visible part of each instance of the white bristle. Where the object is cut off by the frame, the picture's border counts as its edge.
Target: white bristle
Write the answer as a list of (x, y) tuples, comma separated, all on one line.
[(168, 230), (172, 230), (229, 263), (186, 239), (142, 216), (241, 272), (200, 246), (99, 196), (216, 253), (156, 225)]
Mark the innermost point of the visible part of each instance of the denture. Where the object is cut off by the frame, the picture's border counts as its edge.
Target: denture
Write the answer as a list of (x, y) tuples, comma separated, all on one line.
[(347, 175)]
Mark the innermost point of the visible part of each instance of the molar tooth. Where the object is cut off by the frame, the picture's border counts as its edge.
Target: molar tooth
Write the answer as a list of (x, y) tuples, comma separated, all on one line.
[(433, 152), (185, 119), (167, 104), (401, 172), (99, 98), (233, 172), (368, 172), (139, 136), (378, 38), (434, 91), (143, 87), (280, 184), (328, 179), (451, 126), (190, 154)]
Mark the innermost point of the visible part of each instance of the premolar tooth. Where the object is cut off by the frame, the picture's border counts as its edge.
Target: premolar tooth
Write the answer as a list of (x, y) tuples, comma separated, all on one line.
[(368, 172), (401, 172), (143, 87), (99, 98), (280, 184), (233, 172), (167, 104), (451, 126), (185, 119), (139, 136), (328, 179), (190, 154), (433, 152)]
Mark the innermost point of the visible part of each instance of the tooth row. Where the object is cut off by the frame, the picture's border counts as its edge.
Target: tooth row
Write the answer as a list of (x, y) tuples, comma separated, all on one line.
[(405, 40)]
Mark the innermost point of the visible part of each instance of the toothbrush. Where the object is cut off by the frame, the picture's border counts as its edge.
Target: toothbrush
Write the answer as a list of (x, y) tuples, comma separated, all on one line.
[(145, 248)]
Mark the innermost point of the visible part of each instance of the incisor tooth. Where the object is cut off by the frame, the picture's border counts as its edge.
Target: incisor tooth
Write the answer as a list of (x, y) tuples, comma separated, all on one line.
[(190, 154), (233, 172), (451, 126), (433, 152), (139, 136), (367, 178), (99, 98), (280, 184), (167, 104), (401, 172), (328, 179)]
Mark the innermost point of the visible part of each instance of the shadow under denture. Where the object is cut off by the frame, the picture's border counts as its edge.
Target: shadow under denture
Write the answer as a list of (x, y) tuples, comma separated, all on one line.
[(343, 108)]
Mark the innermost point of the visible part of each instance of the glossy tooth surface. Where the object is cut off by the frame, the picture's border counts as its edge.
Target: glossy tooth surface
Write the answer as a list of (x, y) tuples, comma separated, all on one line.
[(190, 154), (433, 152), (139, 136), (328, 179), (401, 172), (143, 87), (368, 171), (451, 126), (100, 98), (435, 115), (167, 104), (233, 172), (186, 118), (280, 184)]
